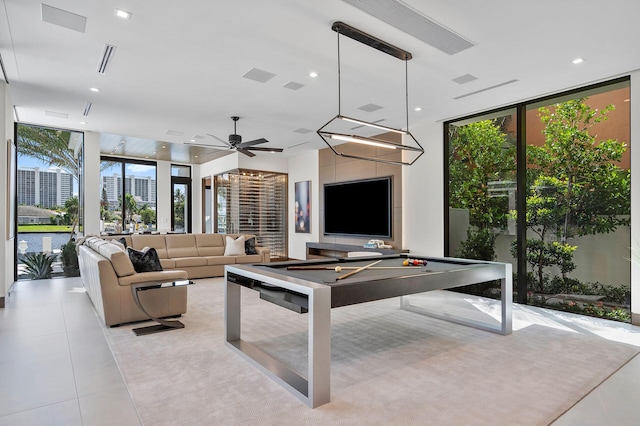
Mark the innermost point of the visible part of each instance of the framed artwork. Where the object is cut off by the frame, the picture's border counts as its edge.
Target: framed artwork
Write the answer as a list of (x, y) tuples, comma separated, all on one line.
[(303, 207), (11, 189)]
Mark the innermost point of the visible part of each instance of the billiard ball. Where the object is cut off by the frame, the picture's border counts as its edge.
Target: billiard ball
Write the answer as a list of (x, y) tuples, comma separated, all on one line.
[(338, 268)]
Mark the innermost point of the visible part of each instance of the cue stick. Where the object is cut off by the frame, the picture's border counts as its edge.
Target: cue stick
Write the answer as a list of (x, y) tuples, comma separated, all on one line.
[(332, 268), (348, 274)]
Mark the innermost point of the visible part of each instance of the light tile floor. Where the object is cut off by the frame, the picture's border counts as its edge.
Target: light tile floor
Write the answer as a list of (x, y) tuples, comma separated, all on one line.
[(56, 367)]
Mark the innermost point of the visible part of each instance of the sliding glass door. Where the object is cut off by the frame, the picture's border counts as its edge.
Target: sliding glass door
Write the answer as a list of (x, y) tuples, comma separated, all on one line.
[(546, 186)]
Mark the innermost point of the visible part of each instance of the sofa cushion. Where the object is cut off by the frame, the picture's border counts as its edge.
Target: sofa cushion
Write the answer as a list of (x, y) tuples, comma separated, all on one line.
[(210, 244), (119, 259), (139, 241), (145, 261), (234, 247), (250, 258), (168, 263), (181, 245), (220, 260), (184, 262)]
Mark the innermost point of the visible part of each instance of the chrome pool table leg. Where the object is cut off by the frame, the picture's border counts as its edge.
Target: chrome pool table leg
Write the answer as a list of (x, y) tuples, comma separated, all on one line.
[(506, 300), (313, 390)]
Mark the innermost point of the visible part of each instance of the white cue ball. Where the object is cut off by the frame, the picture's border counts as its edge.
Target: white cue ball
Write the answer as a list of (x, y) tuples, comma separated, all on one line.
[(338, 268)]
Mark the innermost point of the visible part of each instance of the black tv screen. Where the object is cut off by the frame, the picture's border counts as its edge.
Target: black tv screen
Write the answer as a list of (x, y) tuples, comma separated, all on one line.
[(359, 208)]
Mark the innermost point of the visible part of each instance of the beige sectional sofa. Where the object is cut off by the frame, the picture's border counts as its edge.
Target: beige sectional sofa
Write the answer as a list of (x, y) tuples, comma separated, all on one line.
[(108, 273), (201, 255)]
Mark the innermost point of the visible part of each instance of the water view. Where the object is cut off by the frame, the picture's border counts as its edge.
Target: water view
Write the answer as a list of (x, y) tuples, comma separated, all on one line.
[(34, 240)]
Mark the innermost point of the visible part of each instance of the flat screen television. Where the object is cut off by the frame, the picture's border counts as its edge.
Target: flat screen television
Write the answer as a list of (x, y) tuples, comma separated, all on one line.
[(361, 208)]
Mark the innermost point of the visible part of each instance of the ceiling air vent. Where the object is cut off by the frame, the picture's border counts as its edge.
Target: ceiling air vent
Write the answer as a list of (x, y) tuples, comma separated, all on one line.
[(105, 60), (87, 109), (4, 72)]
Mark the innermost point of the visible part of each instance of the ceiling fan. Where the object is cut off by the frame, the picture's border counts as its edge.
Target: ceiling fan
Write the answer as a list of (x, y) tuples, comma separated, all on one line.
[(235, 142)]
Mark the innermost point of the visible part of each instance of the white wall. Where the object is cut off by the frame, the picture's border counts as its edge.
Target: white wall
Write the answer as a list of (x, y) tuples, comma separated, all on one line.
[(302, 168), (163, 196), (422, 195), (6, 245)]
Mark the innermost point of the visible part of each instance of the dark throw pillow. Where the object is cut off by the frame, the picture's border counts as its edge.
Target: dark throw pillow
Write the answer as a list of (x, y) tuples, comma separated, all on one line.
[(123, 241), (145, 261), (250, 246)]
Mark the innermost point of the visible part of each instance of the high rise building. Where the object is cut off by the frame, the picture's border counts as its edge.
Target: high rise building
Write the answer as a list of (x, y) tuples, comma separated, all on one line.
[(44, 188), (143, 189)]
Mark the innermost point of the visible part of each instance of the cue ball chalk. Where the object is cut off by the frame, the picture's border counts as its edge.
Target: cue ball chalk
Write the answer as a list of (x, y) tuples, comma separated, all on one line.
[(338, 268)]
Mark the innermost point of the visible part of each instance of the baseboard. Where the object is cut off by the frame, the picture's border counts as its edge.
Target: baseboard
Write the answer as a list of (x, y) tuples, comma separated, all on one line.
[(635, 319)]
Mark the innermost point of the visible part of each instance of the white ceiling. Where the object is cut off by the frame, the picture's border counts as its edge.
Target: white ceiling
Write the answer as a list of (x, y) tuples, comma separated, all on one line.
[(179, 66)]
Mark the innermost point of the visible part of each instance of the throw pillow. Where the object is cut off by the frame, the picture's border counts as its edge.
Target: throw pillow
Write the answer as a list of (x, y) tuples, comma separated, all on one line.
[(117, 243), (250, 246), (123, 241), (145, 261), (234, 247)]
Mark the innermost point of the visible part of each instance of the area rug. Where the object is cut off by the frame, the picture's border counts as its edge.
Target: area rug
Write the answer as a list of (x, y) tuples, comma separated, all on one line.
[(389, 366)]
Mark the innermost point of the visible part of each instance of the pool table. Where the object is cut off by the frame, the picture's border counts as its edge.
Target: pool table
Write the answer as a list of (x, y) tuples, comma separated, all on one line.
[(314, 287)]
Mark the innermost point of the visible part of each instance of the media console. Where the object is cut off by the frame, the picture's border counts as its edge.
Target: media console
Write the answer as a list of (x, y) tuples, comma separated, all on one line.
[(334, 250)]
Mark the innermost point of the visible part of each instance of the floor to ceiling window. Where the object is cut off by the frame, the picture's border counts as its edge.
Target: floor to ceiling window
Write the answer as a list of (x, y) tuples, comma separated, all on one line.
[(553, 199), (128, 195), (181, 200), (50, 201)]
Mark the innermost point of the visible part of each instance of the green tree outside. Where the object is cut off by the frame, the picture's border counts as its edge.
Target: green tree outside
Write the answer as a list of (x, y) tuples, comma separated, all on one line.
[(481, 153), (576, 186)]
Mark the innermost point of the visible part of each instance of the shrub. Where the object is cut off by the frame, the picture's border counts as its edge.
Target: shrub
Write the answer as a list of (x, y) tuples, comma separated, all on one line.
[(70, 264), (38, 265)]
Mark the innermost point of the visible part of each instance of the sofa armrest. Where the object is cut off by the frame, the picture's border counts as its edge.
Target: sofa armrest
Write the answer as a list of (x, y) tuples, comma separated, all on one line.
[(153, 277), (265, 253)]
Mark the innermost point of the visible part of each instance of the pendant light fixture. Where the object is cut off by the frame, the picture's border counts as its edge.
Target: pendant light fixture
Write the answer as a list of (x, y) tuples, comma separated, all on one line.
[(409, 150)]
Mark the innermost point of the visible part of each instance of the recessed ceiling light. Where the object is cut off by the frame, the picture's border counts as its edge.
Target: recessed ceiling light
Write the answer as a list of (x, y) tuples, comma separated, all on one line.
[(192, 140), (578, 61), (313, 74), (94, 89), (196, 156), (123, 14), (83, 122), (164, 146), (417, 109)]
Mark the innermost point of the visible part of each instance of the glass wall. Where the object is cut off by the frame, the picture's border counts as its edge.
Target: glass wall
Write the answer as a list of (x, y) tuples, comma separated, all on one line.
[(181, 201), (128, 195), (482, 190), (253, 202), (546, 186), (50, 212), (578, 202)]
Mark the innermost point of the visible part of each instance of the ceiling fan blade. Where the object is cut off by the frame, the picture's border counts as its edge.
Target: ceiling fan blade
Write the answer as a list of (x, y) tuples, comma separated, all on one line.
[(253, 142), (221, 140), (265, 149), (247, 153)]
